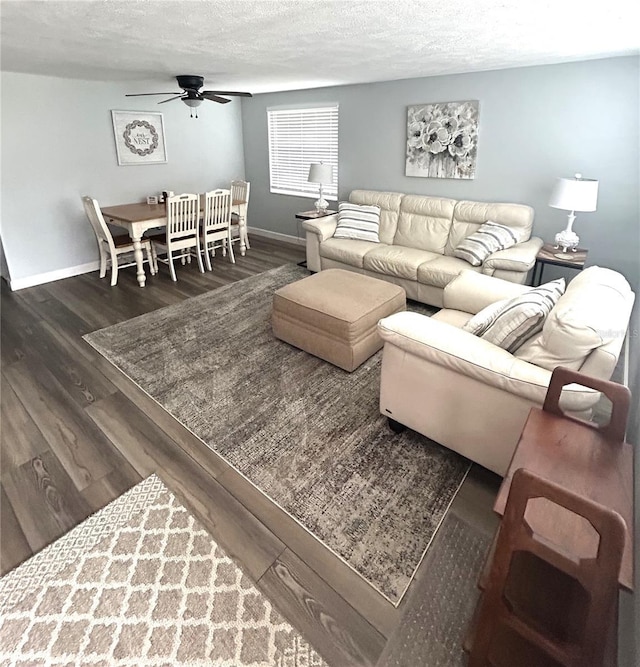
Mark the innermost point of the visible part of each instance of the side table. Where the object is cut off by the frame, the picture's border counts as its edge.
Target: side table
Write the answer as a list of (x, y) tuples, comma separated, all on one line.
[(311, 215), (595, 465), (590, 460), (554, 256)]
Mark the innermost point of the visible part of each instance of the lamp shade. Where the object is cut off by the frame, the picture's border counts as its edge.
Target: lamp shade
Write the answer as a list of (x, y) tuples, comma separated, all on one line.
[(575, 194), (320, 173)]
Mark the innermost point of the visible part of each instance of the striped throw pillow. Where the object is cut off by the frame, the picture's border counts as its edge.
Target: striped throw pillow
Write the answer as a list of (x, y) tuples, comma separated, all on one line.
[(512, 322), (490, 237), (358, 222)]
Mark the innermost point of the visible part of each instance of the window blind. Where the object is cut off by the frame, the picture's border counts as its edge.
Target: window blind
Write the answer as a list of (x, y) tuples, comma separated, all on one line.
[(298, 137)]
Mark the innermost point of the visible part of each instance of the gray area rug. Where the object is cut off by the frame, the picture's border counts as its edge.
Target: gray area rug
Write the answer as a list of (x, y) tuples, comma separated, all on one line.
[(439, 610), (307, 434)]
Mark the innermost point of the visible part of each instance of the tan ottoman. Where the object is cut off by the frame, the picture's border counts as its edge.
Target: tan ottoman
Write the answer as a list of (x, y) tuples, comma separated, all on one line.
[(333, 315)]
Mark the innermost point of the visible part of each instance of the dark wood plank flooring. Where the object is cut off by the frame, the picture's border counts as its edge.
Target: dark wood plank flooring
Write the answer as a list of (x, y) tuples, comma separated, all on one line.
[(76, 434)]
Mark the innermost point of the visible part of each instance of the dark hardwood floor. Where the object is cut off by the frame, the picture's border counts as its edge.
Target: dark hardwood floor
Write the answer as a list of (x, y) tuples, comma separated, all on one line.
[(76, 434)]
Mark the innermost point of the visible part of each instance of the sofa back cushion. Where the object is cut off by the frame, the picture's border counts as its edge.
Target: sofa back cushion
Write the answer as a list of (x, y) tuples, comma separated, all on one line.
[(469, 215), (389, 203), (592, 313), (424, 222)]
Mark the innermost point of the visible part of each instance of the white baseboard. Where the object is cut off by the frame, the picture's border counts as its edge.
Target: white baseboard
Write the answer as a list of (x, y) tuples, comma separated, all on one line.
[(275, 235), (50, 276)]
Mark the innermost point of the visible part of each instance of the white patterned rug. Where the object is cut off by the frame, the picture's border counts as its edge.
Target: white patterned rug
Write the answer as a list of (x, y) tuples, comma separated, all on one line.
[(141, 583)]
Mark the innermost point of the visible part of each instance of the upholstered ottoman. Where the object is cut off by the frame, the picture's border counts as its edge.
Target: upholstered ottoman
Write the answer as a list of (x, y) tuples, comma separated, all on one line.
[(333, 315)]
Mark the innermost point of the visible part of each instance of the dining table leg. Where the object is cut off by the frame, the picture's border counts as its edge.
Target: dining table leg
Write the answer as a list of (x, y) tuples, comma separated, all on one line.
[(137, 253)]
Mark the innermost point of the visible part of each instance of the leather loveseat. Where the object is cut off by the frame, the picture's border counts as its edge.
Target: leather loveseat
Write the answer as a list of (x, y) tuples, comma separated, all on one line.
[(473, 396), (418, 235)]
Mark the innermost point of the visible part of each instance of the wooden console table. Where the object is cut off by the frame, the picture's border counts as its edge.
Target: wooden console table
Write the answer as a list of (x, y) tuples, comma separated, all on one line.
[(588, 460), (593, 465)]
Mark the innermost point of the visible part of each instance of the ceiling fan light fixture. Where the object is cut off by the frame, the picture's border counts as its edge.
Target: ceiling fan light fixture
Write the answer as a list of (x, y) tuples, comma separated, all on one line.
[(191, 94)]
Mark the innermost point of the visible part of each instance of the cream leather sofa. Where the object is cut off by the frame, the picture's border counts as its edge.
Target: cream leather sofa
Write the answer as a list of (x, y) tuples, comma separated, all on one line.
[(474, 397), (418, 235)]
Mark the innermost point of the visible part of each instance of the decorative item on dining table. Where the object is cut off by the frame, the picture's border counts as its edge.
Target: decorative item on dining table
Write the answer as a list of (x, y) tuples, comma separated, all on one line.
[(323, 175), (572, 194)]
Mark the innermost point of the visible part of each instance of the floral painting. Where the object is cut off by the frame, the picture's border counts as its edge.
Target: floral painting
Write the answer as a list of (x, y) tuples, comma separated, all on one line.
[(442, 140)]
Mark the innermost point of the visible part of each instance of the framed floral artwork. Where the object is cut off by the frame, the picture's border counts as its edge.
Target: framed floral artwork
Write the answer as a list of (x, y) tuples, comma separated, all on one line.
[(442, 140), (139, 137)]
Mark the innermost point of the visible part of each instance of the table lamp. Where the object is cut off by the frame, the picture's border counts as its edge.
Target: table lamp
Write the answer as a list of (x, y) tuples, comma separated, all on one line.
[(572, 194), (323, 175)]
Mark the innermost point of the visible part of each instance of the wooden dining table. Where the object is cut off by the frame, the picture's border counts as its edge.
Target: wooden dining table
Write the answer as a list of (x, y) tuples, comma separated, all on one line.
[(140, 217)]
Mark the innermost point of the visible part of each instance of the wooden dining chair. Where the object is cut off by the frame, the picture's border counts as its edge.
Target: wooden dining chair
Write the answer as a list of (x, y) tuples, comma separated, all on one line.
[(112, 247), (216, 225), (240, 203), (182, 238)]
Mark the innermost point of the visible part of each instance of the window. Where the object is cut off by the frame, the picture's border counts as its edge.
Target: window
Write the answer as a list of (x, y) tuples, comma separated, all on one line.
[(298, 137)]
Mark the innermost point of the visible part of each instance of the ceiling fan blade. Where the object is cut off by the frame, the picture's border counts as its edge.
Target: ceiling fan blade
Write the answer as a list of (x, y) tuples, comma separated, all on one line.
[(208, 95), (222, 92), (171, 98), (142, 94)]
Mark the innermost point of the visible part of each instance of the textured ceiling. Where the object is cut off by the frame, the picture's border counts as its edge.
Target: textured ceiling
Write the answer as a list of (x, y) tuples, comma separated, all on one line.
[(270, 45)]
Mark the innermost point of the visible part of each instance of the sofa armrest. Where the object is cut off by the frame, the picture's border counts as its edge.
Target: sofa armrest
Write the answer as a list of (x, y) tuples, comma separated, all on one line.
[(470, 292), (520, 257), (322, 227), (464, 353)]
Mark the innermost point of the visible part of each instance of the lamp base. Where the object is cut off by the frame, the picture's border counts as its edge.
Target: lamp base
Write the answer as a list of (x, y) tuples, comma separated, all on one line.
[(321, 205), (567, 239)]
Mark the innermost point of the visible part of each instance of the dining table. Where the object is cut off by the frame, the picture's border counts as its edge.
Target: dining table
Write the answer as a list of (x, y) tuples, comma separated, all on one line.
[(140, 217)]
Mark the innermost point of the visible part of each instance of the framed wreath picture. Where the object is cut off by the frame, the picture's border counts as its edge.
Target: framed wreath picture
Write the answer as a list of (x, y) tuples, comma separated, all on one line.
[(139, 137)]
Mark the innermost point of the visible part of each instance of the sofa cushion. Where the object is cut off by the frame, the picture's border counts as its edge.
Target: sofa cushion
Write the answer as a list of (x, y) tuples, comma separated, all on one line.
[(347, 251), (511, 322), (389, 203), (456, 318), (359, 222), (424, 222), (489, 238), (397, 261), (592, 312), (442, 270), (469, 215)]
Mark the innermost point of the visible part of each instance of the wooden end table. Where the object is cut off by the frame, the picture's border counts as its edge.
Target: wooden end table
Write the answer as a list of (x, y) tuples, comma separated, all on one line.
[(548, 254), (591, 461), (311, 215)]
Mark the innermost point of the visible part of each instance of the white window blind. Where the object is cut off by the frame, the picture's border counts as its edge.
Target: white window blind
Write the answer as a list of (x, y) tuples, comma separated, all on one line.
[(298, 137)]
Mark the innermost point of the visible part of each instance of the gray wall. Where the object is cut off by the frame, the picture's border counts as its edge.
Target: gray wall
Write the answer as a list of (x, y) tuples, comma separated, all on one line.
[(58, 144), (536, 123)]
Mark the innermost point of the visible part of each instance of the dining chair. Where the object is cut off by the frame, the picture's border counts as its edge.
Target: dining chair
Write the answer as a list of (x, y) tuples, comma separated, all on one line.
[(216, 225), (240, 203), (182, 234), (112, 247)]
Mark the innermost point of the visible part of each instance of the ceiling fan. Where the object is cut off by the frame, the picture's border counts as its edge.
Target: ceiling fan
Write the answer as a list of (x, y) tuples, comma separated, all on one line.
[(191, 94)]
